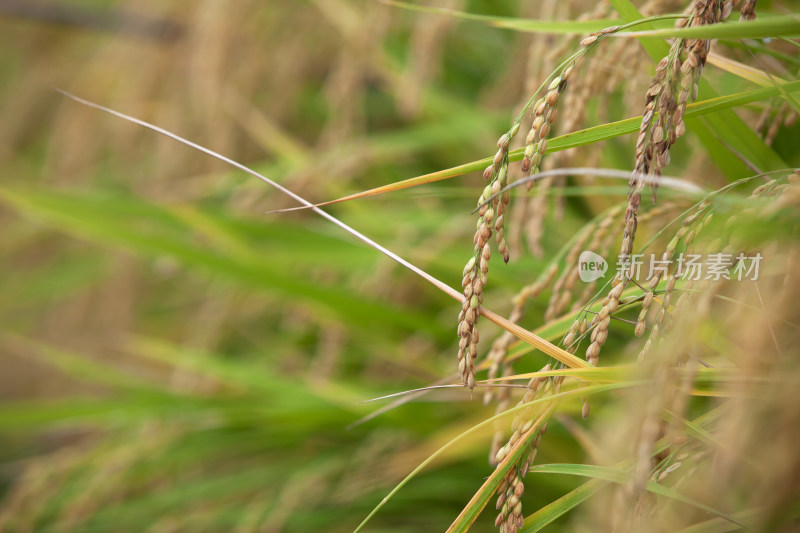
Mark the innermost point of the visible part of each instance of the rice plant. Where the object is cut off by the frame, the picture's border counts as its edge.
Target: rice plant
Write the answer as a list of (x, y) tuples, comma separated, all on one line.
[(228, 232)]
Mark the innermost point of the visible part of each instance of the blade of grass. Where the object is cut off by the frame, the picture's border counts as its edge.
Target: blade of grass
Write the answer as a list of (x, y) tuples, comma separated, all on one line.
[(573, 140), (617, 475), (787, 25), (720, 525), (77, 365), (594, 389), (777, 82), (552, 511), (487, 490), (656, 48), (558, 27), (240, 375), (789, 41), (745, 72), (100, 221), (475, 506), (547, 347)]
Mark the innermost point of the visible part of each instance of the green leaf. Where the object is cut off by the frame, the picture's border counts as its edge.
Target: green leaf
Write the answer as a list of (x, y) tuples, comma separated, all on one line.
[(519, 24), (155, 232), (561, 506), (552, 511), (617, 475), (79, 366), (473, 509), (556, 27), (787, 25), (589, 136), (656, 48)]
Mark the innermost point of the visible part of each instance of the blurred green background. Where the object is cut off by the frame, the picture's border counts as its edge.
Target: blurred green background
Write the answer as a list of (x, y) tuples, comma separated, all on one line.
[(175, 359)]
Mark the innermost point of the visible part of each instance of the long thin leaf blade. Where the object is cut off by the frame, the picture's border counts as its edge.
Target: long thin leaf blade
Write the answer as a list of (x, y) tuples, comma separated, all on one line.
[(531, 338), (593, 389), (475, 506), (527, 25), (554, 510), (617, 475), (576, 139), (769, 26)]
